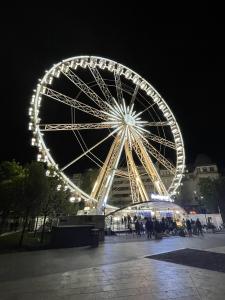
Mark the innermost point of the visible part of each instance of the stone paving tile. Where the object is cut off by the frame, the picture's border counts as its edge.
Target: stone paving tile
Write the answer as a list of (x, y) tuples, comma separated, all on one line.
[(99, 296), (211, 283), (134, 279), (208, 294), (142, 279), (39, 263), (217, 249), (138, 294), (160, 297)]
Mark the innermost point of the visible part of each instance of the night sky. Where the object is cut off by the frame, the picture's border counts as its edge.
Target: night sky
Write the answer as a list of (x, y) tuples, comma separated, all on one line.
[(183, 60)]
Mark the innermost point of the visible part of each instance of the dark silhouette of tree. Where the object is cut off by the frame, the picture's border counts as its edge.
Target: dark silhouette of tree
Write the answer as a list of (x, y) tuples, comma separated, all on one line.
[(12, 176), (213, 192), (35, 193), (56, 201)]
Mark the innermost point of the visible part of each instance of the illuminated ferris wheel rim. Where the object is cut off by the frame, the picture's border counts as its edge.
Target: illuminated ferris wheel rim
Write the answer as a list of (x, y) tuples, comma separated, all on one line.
[(121, 70)]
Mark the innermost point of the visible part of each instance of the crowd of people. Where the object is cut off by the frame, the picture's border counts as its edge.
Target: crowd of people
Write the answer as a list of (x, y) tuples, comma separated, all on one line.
[(193, 227), (152, 227)]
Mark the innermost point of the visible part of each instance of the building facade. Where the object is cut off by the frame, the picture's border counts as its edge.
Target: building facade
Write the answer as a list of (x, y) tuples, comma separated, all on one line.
[(121, 193), (187, 196)]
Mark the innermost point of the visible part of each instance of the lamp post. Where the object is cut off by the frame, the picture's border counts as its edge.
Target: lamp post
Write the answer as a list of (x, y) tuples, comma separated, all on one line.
[(219, 208), (202, 203), (103, 208)]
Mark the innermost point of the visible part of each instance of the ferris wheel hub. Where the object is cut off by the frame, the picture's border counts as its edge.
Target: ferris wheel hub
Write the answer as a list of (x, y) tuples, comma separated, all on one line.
[(129, 120)]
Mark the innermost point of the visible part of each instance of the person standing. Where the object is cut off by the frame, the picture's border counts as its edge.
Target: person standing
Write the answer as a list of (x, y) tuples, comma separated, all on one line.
[(157, 230), (128, 219), (137, 228), (189, 229), (125, 221), (199, 227), (149, 228), (141, 228)]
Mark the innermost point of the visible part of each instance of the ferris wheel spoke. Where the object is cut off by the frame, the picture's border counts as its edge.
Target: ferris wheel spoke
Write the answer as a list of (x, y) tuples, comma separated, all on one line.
[(156, 154), (119, 90), (82, 126), (137, 187), (148, 164), (73, 103), (156, 138), (162, 141), (134, 95), (147, 108), (84, 147), (90, 149), (85, 88), (161, 159), (156, 124), (101, 83)]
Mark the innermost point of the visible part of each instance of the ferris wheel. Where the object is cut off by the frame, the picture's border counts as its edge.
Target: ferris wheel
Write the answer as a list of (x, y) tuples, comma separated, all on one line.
[(115, 120)]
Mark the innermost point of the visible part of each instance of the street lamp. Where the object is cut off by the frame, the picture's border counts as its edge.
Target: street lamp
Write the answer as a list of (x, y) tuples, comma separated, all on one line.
[(203, 205), (72, 199)]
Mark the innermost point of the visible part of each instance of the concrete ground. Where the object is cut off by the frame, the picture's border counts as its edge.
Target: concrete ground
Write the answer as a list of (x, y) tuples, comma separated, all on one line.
[(116, 269)]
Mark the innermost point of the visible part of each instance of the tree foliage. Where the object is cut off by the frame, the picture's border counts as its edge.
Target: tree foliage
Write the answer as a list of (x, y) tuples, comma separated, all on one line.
[(57, 198), (213, 192), (12, 176), (27, 192), (36, 188)]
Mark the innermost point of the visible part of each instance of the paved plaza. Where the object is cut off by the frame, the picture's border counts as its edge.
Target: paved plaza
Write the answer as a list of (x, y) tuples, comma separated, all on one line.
[(117, 269)]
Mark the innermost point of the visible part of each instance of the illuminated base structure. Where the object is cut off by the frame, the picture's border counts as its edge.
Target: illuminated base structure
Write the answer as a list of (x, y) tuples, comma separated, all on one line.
[(158, 207), (154, 209)]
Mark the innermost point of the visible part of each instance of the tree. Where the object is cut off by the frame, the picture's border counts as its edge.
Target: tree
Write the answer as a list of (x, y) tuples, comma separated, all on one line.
[(12, 176), (220, 188), (213, 193), (56, 202), (35, 192), (207, 196)]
